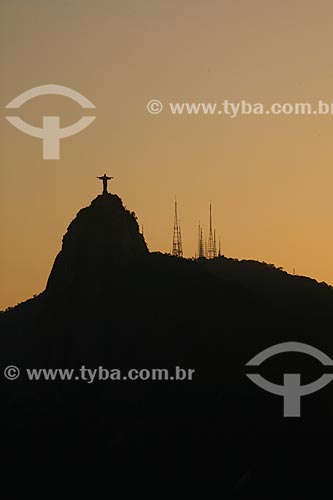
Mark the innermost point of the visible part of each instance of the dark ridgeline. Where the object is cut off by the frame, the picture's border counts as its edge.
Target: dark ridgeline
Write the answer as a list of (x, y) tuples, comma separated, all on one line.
[(111, 302)]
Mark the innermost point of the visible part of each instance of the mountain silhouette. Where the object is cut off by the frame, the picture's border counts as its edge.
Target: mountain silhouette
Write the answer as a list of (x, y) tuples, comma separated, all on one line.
[(110, 302), (102, 237)]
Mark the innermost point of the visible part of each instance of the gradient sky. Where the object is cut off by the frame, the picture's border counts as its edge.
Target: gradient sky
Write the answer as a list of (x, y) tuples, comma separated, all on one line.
[(269, 178)]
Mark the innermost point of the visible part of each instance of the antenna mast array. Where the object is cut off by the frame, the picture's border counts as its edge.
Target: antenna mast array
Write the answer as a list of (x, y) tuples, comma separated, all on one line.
[(201, 249), (211, 247), (177, 247)]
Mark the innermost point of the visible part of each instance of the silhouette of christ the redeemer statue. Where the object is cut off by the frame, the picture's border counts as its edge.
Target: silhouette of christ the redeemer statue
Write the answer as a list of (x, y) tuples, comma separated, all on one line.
[(105, 180)]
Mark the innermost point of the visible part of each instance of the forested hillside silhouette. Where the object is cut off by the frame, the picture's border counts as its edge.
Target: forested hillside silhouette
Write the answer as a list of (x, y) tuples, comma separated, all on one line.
[(111, 302)]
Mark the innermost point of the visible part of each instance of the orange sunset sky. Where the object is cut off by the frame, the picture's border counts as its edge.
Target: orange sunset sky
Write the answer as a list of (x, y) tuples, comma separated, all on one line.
[(270, 178)]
